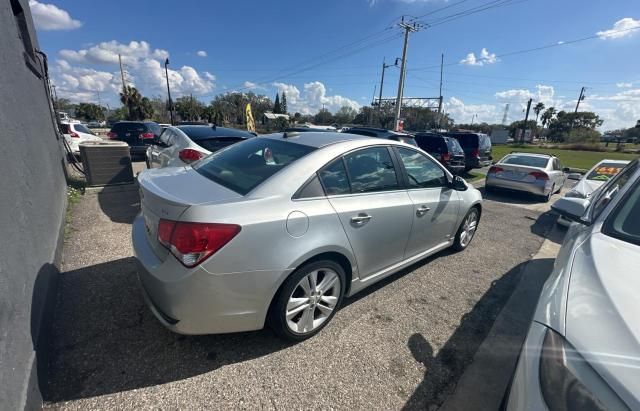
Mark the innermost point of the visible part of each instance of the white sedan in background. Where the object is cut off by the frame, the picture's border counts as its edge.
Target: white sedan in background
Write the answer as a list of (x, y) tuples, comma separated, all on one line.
[(591, 181), (582, 351), (75, 133), (182, 145)]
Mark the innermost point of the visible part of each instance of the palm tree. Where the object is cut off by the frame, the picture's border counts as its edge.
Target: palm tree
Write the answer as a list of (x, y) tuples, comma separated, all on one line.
[(538, 109), (547, 116)]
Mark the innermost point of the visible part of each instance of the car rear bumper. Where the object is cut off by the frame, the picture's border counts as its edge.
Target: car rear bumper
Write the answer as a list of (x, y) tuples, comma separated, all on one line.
[(537, 187), (194, 301)]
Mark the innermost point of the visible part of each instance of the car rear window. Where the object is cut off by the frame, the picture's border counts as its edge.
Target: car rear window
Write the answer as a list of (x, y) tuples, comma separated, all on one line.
[(605, 171), (363, 133), (218, 143), (123, 127), (431, 144), (244, 166), (524, 160), (154, 128), (467, 140), (82, 129), (453, 145)]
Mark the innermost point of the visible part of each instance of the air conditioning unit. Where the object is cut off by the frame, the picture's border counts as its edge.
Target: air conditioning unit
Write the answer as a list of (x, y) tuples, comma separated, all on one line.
[(106, 163)]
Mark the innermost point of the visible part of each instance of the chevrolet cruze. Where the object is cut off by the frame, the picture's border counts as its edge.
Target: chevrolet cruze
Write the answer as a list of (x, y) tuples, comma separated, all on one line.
[(279, 229)]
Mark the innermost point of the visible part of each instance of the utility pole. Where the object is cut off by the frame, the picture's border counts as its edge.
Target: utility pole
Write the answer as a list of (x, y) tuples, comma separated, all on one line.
[(166, 72), (440, 101), (384, 66), (408, 28), (373, 99), (580, 98), (124, 86), (526, 118)]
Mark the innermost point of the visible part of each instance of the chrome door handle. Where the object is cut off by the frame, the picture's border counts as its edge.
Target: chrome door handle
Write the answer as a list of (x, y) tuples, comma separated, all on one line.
[(360, 219), (422, 210)]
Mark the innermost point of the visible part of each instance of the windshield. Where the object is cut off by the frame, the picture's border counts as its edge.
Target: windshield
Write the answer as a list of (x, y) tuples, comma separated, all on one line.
[(624, 222), (524, 160), (246, 165), (605, 171), (611, 189)]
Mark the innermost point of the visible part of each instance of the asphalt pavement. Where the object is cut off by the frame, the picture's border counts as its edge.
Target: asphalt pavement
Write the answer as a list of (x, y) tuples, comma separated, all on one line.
[(403, 343)]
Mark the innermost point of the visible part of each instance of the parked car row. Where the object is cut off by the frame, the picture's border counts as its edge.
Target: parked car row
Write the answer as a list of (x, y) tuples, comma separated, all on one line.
[(75, 133)]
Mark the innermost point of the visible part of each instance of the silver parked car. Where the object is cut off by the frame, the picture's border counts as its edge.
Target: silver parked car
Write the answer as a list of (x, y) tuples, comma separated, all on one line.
[(182, 145), (539, 174), (280, 228), (582, 351), (592, 180)]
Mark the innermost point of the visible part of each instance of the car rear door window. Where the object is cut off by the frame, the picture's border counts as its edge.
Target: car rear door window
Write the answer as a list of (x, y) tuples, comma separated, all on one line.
[(334, 178), (370, 170), (422, 172), (218, 143)]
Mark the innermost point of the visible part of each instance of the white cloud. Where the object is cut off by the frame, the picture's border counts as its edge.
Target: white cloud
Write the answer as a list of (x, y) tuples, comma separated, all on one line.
[(625, 27), (50, 17), (144, 68), (484, 58), (313, 97), (201, 53), (463, 113), (252, 86), (624, 85)]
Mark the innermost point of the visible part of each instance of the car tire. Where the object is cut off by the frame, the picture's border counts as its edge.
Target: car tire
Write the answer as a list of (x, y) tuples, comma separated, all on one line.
[(289, 311), (462, 239), (547, 198)]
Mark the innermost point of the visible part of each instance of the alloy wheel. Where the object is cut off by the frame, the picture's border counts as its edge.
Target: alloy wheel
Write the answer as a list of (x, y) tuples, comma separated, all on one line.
[(469, 228), (312, 301)]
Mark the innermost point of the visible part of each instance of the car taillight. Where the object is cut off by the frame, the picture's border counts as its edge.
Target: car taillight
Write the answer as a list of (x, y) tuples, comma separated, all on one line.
[(111, 134), (192, 243), (445, 157), (495, 169), (189, 155), (539, 175), (75, 135), (475, 153), (146, 135)]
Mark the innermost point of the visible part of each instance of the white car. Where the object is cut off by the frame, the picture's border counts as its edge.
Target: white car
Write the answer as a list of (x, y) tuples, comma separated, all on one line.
[(591, 181), (75, 133), (182, 145), (582, 351)]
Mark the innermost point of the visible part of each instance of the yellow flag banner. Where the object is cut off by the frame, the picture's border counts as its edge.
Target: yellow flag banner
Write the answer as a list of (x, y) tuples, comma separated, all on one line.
[(251, 124)]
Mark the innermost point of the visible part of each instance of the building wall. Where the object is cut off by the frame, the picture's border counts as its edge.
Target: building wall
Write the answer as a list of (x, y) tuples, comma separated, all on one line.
[(32, 209)]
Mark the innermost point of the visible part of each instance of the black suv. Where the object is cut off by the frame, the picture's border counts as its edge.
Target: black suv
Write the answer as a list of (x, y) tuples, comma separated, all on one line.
[(138, 134), (447, 150), (476, 146), (382, 133)]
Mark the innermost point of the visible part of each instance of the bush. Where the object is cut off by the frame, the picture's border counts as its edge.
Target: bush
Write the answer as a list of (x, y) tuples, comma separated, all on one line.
[(583, 136)]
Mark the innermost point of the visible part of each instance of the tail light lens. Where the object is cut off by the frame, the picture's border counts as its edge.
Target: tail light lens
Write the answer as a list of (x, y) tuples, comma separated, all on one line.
[(495, 169), (445, 157), (74, 135), (111, 134), (475, 153), (539, 175), (189, 155), (192, 243), (146, 135)]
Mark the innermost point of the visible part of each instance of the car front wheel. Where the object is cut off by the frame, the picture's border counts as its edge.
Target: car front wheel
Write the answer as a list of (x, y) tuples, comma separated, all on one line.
[(308, 300), (467, 229)]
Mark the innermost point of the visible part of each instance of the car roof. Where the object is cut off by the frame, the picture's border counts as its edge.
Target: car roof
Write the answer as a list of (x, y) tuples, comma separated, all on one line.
[(520, 153), (378, 130), (613, 161), (216, 131), (317, 139)]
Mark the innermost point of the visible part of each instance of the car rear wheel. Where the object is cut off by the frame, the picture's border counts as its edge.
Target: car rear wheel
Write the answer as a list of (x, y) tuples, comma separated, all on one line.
[(467, 230), (547, 198), (308, 300)]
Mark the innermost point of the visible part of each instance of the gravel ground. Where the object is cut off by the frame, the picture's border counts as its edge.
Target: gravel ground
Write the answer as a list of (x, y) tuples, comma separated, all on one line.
[(402, 343)]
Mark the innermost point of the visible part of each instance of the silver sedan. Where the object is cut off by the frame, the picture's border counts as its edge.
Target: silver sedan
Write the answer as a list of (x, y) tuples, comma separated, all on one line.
[(539, 174), (279, 229)]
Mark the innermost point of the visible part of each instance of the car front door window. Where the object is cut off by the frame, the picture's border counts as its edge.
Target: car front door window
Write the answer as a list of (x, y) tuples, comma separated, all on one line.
[(370, 170), (422, 172)]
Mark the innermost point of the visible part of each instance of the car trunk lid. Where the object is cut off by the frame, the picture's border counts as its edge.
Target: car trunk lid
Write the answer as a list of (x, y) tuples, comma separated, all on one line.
[(166, 193), (515, 172)]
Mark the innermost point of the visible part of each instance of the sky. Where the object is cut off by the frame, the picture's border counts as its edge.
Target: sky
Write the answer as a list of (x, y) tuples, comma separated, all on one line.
[(330, 52)]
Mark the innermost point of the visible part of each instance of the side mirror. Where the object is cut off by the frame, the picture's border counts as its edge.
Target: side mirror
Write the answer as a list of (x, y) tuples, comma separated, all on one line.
[(459, 184), (571, 208), (574, 176), (566, 170)]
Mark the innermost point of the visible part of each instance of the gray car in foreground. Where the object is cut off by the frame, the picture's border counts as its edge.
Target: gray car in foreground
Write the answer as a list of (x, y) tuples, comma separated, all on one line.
[(539, 174), (582, 351), (280, 228)]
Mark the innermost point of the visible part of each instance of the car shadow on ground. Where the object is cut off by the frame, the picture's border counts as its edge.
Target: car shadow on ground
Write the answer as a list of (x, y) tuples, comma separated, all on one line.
[(105, 340), (545, 226), (445, 367), (510, 197)]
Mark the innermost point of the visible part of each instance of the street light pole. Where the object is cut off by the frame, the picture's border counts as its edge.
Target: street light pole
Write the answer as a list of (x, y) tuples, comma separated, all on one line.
[(408, 28), (166, 72)]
